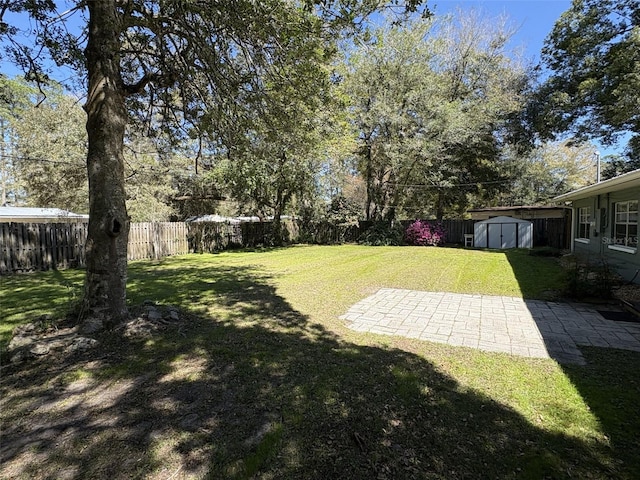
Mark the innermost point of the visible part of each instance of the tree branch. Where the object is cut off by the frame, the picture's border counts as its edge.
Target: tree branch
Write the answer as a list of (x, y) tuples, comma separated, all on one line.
[(139, 86)]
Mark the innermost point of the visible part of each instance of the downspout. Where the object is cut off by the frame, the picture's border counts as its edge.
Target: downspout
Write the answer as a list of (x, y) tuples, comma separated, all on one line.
[(599, 232), (606, 227), (573, 228)]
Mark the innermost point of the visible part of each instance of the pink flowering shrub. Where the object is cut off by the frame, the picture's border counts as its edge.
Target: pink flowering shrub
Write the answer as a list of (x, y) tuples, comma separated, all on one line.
[(424, 233)]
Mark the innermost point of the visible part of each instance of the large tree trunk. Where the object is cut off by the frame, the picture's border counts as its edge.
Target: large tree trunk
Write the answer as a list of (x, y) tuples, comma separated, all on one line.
[(440, 206), (106, 277)]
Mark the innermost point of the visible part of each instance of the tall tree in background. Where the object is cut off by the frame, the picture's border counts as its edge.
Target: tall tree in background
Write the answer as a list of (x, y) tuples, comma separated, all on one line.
[(547, 171), (51, 147), (388, 81), (44, 152), (150, 179), (183, 61), (434, 104), (14, 99), (273, 156), (593, 54), (482, 86)]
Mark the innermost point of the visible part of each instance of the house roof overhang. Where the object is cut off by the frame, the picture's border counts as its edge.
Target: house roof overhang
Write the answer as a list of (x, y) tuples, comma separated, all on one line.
[(621, 182), (31, 212)]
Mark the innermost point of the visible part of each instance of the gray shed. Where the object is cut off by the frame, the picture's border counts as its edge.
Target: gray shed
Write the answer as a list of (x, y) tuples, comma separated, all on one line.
[(503, 232)]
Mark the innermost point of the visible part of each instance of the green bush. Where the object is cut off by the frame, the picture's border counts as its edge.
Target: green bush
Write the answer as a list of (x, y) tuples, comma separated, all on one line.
[(382, 234), (588, 277)]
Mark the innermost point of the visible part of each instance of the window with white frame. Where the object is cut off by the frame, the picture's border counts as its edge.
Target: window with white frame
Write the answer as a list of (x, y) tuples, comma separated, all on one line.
[(584, 222), (626, 224)]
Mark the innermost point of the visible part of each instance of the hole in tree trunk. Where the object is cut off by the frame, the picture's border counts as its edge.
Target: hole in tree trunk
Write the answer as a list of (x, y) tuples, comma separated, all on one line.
[(115, 227)]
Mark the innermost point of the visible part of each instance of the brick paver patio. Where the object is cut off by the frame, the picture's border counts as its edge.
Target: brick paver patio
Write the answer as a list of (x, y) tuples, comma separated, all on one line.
[(530, 328)]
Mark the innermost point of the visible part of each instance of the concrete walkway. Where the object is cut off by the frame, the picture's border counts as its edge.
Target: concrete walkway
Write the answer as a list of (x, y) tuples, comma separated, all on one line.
[(529, 328)]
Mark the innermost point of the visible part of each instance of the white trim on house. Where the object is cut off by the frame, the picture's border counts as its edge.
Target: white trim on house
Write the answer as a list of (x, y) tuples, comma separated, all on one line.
[(622, 248), (621, 182)]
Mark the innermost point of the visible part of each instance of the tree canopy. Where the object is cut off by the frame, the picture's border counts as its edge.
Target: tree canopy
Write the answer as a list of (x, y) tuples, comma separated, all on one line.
[(549, 170), (433, 104), (181, 68), (593, 56)]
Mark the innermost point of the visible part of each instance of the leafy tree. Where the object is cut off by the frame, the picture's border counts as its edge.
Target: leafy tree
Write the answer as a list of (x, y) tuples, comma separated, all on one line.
[(386, 80), (47, 148), (593, 55), (201, 193), (549, 170), (614, 165), (434, 104), (51, 144), (177, 61), (272, 158), (482, 90), (150, 180), (14, 98), (335, 176)]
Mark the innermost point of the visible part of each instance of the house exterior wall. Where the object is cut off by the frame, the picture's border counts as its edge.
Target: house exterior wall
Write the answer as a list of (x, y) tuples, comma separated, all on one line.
[(602, 242)]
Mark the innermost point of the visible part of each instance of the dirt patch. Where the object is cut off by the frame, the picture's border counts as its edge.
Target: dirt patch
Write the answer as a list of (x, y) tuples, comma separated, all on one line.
[(45, 337), (67, 397), (629, 293)]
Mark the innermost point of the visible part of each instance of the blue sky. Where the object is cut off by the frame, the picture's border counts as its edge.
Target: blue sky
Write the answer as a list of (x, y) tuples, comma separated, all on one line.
[(534, 19)]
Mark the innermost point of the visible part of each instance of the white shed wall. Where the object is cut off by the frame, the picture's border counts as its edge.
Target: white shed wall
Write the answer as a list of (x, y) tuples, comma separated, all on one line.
[(503, 232)]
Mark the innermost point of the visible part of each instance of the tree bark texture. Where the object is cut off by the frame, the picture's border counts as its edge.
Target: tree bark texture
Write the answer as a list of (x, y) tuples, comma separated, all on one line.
[(106, 276)]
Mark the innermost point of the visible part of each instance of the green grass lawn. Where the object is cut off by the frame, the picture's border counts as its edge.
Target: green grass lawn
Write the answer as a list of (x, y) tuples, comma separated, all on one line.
[(265, 381)]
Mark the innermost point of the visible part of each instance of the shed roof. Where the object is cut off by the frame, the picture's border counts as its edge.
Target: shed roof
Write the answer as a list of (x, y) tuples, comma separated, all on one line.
[(504, 219), (30, 212)]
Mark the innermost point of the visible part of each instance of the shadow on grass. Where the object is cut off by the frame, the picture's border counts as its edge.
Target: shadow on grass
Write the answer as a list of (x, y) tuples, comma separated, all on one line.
[(610, 385), (538, 277), (40, 293), (257, 390), (608, 379)]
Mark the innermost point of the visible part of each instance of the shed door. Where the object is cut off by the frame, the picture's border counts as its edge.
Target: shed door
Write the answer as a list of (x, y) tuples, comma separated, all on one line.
[(502, 235), (495, 235), (509, 238)]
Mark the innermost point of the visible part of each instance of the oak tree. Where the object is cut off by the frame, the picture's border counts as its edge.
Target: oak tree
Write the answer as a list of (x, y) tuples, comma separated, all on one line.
[(173, 65), (593, 57), (434, 104)]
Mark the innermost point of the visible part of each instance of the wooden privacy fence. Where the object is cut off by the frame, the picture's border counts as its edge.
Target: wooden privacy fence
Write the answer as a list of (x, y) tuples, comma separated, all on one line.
[(208, 237), (552, 232), (454, 229), (157, 240), (31, 246), (213, 236), (43, 246), (547, 232)]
